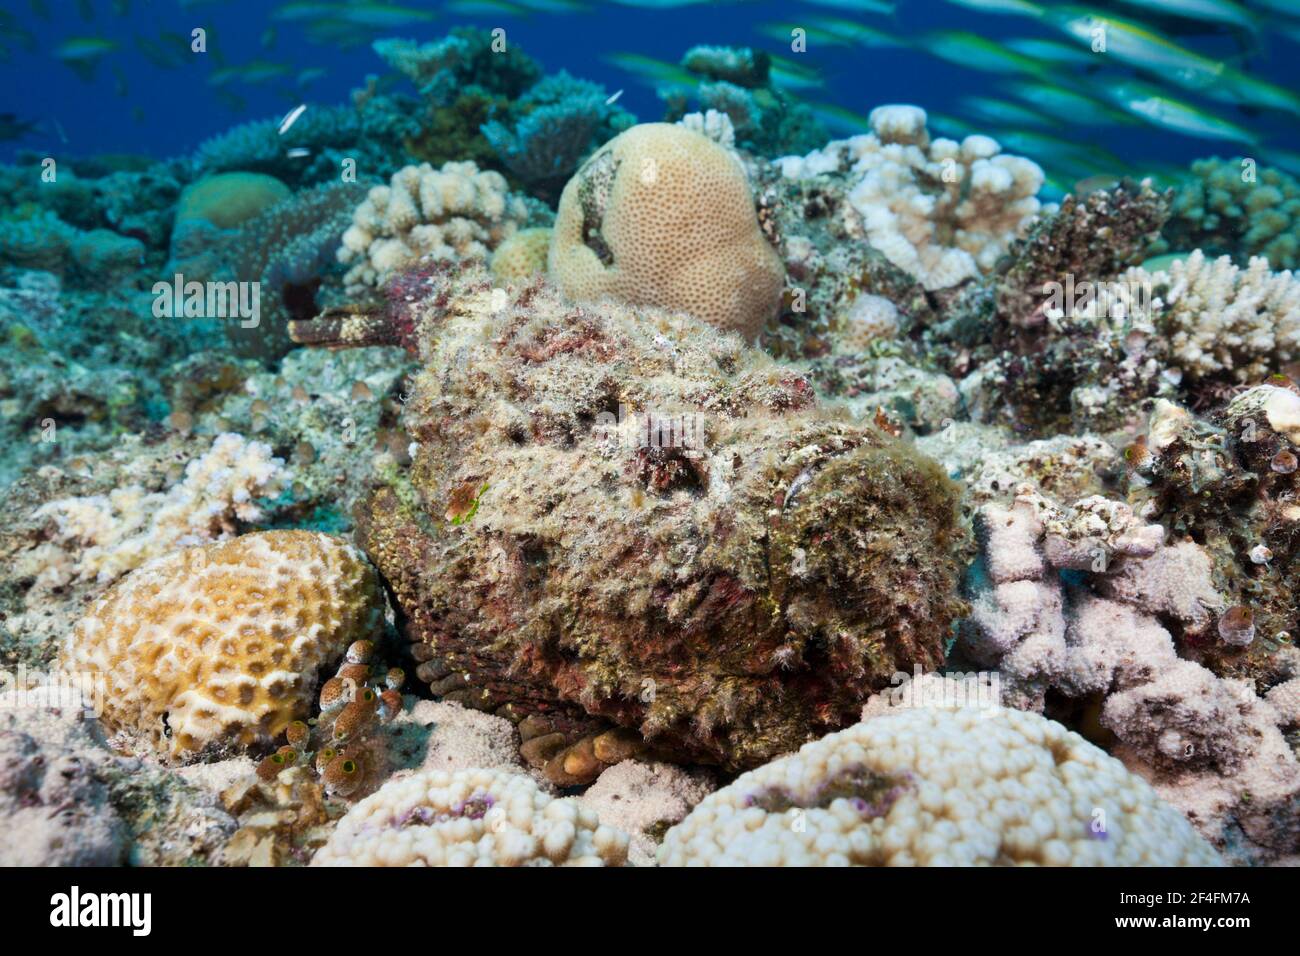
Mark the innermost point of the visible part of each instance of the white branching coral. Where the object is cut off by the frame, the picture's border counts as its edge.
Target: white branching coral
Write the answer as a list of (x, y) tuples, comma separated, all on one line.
[(470, 818), (448, 214), (713, 124), (942, 211), (939, 787), (102, 537), (1220, 318)]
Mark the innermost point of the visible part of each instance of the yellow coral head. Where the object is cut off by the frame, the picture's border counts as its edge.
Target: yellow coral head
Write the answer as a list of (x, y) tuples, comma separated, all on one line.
[(664, 216)]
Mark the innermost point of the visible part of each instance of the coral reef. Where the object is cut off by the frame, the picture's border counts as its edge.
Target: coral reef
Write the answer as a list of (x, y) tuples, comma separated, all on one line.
[(726, 592), (468, 818), (940, 210), (219, 646), (1081, 605), (1231, 208), (663, 216), (643, 799), (450, 214), (555, 125), (930, 787), (735, 82), (104, 536)]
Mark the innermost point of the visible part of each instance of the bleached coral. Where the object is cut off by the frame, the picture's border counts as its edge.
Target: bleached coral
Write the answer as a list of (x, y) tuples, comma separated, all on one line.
[(1220, 318), (446, 215), (716, 126), (1212, 746), (470, 818), (936, 787), (940, 210), (104, 536), (637, 797)]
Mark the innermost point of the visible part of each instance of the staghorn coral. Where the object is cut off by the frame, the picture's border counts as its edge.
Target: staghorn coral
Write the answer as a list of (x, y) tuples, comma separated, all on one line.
[(1230, 208), (455, 213), (939, 787), (942, 211), (726, 593), (104, 536), (662, 216), (219, 646), (470, 818)]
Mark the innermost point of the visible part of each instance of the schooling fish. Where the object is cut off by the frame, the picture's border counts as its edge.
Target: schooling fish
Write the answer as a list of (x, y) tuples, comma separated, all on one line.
[(1000, 111), (837, 118), (787, 74), (310, 75), (856, 33), (83, 53), (974, 51), (858, 6), (1019, 8), (1207, 11), (1150, 103), (257, 71), (653, 71), (1136, 46), (1071, 104), (1050, 51)]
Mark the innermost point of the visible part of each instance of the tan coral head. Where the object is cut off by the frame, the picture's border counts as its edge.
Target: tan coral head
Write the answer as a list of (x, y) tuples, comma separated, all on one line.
[(663, 216), (218, 647)]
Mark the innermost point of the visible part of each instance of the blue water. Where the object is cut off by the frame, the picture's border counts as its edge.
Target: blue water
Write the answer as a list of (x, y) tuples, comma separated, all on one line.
[(165, 112)]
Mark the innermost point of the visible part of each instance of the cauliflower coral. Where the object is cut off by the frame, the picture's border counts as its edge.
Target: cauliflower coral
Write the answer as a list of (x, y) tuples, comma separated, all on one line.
[(448, 214), (940, 210), (938, 787), (470, 818)]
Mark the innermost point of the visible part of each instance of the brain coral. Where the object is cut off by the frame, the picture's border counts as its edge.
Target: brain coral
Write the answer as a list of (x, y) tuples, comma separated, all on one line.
[(227, 199), (921, 786), (470, 818), (446, 214), (220, 645), (663, 216)]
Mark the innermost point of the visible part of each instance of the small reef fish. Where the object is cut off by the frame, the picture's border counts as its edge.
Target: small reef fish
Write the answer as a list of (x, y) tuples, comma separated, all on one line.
[(83, 53), (1150, 103), (790, 75), (653, 72), (839, 119), (1240, 89), (257, 71), (291, 117), (311, 75)]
